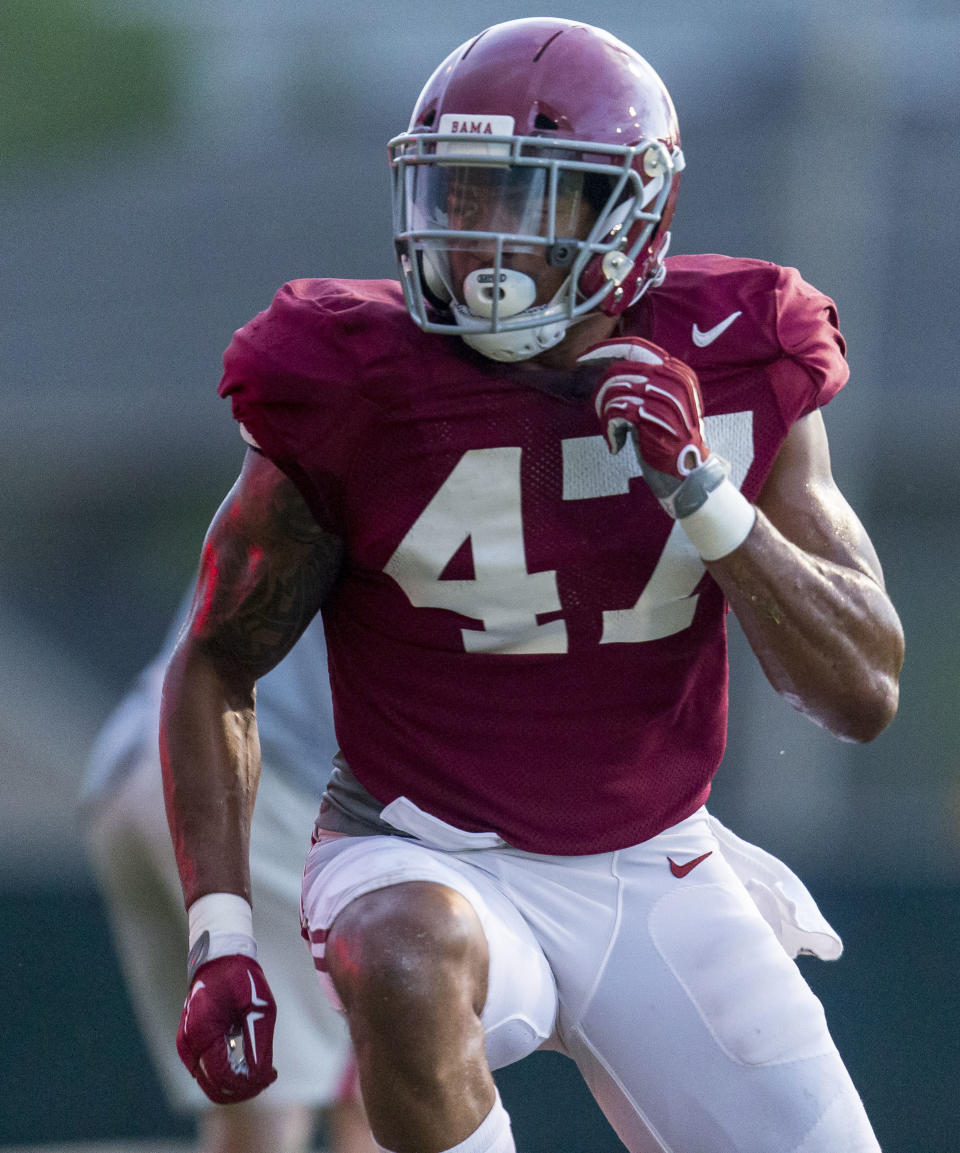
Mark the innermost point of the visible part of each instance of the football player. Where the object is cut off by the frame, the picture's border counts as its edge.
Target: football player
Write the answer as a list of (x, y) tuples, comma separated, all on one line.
[(523, 485), (129, 848)]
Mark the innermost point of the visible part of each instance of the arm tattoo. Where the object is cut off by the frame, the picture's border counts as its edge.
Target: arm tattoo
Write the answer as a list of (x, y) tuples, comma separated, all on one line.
[(259, 591)]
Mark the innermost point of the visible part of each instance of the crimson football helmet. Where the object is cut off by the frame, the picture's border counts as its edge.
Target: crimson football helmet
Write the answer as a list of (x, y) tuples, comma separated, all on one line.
[(535, 185)]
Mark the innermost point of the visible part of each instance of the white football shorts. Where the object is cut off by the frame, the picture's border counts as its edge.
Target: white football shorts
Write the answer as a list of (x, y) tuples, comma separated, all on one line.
[(666, 971), (129, 845)]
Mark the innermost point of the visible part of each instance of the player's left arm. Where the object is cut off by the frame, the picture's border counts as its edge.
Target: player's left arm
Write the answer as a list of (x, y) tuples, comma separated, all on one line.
[(808, 590), (797, 568)]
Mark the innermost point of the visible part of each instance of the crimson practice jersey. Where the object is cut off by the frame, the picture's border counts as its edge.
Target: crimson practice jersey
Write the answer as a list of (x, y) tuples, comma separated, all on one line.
[(522, 640)]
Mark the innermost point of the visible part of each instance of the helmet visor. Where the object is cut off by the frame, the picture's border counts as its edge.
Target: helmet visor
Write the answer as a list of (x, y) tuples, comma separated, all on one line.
[(517, 203)]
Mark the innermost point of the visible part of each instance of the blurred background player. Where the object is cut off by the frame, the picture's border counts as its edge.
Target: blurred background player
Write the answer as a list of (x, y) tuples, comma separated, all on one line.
[(129, 847)]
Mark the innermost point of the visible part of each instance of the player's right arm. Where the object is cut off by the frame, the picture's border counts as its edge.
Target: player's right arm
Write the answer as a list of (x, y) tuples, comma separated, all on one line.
[(266, 568)]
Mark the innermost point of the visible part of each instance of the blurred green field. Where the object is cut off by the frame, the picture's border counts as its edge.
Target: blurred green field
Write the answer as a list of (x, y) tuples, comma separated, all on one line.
[(72, 80)]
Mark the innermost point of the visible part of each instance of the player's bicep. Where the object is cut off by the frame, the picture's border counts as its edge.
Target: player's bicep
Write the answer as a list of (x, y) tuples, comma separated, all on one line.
[(265, 570), (802, 500)]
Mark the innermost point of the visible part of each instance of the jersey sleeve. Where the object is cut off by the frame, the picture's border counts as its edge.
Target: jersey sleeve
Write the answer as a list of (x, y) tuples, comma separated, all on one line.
[(292, 377), (808, 333)]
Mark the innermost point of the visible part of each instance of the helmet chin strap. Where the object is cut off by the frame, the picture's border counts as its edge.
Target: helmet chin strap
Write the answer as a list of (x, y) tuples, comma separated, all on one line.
[(515, 293)]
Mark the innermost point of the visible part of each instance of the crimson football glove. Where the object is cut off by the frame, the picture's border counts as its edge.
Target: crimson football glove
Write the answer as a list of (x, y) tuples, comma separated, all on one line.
[(226, 1029), (654, 399), (649, 394)]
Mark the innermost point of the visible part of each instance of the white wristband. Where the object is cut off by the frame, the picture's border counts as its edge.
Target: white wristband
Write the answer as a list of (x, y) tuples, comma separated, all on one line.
[(220, 924), (722, 523)]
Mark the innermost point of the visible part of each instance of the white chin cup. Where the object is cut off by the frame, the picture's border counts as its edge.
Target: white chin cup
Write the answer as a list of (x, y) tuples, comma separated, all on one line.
[(516, 293)]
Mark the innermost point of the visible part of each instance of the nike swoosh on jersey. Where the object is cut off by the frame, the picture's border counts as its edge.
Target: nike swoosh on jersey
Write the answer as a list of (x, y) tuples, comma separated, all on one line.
[(682, 870), (702, 339)]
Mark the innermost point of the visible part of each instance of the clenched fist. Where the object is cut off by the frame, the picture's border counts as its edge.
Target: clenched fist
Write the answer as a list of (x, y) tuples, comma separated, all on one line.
[(647, 394), (226, 1029)]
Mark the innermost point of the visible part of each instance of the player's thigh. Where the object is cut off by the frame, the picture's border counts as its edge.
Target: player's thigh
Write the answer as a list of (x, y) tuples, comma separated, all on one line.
[(311, 1045), (520, 1008), (701, 1035)]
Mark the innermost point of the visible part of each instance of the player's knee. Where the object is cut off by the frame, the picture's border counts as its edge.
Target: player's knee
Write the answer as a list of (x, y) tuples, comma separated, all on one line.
[(411, 950)]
